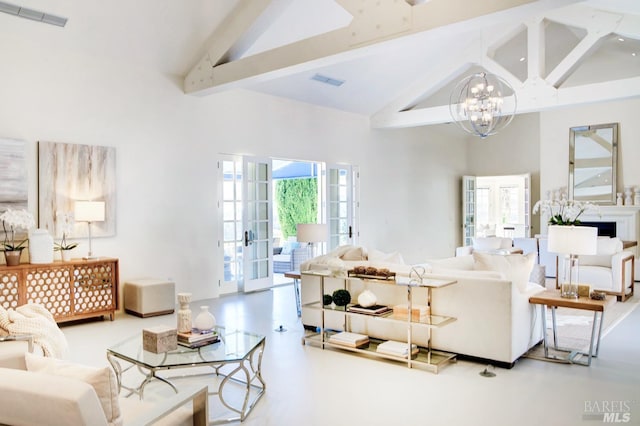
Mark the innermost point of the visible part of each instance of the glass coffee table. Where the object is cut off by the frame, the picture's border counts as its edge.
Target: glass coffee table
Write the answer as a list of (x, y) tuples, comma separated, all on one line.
[(236, 359)]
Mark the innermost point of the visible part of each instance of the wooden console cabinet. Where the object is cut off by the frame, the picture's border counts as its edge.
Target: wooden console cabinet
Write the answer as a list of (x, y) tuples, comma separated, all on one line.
[(69, 290)]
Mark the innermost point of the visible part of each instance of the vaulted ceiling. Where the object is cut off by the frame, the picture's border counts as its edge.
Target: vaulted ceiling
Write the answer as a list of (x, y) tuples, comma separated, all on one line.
[(394, 61), (397, 60)]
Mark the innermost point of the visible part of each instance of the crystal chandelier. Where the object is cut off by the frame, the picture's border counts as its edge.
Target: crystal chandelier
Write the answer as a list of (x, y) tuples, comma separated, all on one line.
[(477, 104)]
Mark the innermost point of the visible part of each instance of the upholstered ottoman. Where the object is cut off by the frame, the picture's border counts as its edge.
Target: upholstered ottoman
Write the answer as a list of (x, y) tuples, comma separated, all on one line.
[(148, 297)]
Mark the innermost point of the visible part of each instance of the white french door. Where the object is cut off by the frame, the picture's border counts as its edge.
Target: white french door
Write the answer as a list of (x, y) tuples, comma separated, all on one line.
[(257, 224), (468, 209), (230, 220), (246, 218), (501, 204), (340, 195)]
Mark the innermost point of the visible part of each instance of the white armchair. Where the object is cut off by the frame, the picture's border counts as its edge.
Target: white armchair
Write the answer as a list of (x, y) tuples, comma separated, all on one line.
[(610, 270)]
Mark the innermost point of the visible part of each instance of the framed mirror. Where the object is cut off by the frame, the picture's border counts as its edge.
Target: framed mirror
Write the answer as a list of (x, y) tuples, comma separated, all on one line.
[(593, 162)]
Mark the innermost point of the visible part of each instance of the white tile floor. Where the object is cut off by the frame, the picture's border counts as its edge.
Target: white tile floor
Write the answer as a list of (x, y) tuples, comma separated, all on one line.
[(309, 386)]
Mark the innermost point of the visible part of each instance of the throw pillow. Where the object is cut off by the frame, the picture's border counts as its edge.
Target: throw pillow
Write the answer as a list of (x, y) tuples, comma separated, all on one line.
[(379, 256), (486, 243), (103, 380), (289, 247), (515, 267), (355, 253)]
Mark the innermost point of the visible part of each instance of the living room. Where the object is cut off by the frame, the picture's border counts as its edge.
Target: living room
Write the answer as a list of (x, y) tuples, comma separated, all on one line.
[(110, 90)]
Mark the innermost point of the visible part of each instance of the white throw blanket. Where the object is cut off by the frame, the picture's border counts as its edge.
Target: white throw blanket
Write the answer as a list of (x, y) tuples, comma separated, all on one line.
[(37, 321)]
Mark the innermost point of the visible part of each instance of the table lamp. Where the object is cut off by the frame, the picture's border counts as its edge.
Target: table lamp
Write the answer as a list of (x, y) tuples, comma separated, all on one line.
[(311, 233), (89, 211), (572, 241)]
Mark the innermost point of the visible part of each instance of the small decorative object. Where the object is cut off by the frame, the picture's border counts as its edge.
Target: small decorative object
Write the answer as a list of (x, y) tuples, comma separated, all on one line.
[(341, 297), (628, 193), (327, 300), (598, 295), (584, 290), (619, 199), (184, 313), (367, 298), (14, 220), (204, 320), (40, 247), (159, 339), (636, 197), (360, 270), (66, 222)]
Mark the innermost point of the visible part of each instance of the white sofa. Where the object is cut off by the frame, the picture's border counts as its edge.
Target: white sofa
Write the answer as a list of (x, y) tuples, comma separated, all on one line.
[(494, 320)]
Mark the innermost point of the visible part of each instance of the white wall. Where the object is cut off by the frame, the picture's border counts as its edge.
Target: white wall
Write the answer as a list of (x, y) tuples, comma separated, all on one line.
[(166, 150), (554, 141)]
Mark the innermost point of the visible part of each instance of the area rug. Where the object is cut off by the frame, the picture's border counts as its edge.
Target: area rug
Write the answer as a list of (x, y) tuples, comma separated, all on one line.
[(574, 326)]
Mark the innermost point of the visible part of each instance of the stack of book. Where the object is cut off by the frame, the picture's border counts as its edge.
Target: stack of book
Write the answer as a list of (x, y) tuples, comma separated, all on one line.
[(399, 349), (197, 338), (370, 310), (351, 340)]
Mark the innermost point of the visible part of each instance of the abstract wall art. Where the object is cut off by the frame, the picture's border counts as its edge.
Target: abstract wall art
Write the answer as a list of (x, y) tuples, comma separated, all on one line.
[(13, 175), (72, 172)]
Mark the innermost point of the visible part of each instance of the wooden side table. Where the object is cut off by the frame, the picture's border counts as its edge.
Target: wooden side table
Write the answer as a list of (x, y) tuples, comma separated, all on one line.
[(552, 299)]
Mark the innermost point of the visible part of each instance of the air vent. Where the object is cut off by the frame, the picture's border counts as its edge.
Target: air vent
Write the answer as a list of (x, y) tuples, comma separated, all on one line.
[(327, 80), (33, 15)]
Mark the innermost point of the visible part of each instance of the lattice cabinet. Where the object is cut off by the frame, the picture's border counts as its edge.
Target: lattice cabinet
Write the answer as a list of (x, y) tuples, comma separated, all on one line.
[(69, 290)]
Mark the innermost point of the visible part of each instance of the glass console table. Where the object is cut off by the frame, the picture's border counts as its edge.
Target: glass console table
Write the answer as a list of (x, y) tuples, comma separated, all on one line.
[(426, 357)]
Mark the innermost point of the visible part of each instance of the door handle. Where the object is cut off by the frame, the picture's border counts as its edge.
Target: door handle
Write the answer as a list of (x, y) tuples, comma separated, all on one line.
[(350, 232), (246, 238)]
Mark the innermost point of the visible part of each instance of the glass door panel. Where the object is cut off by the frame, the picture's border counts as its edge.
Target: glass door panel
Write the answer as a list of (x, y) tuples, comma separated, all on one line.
[(257, 225), (468, 209), (230, 220), (341, 205)]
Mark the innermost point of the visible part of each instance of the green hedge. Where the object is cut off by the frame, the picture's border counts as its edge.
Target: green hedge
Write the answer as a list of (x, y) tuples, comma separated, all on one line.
[(297, 203)]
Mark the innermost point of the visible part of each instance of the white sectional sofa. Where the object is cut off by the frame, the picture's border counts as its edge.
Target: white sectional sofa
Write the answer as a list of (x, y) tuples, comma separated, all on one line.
[(494, 320)]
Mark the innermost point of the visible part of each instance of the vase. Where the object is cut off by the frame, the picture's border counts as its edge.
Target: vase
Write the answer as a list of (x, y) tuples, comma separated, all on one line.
[(40, 247), (628, 196), (65, 255), (619, 199), (184, 313), (205, 319), (12, 257)]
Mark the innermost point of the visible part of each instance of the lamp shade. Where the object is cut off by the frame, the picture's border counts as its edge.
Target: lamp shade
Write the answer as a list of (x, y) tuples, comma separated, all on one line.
[(573, 239), (89, 211), (311, 232)]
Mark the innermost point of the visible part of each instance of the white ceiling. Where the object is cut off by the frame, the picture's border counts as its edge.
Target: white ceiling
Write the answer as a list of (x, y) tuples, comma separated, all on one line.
[(383, 78)]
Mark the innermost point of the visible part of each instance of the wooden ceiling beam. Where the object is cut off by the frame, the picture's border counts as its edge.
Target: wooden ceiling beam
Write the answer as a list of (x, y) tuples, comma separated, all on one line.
[(373, 22)]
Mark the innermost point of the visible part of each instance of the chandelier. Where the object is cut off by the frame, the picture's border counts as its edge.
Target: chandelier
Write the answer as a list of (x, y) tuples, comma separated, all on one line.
[(477, 104)]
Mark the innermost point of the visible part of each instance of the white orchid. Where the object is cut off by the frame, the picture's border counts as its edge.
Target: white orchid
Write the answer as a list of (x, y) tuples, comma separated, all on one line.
[(563, 211), (66, 222), (14, 220)]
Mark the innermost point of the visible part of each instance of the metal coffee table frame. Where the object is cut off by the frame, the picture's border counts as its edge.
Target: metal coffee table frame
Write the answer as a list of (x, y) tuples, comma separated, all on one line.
[(246, 363)]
